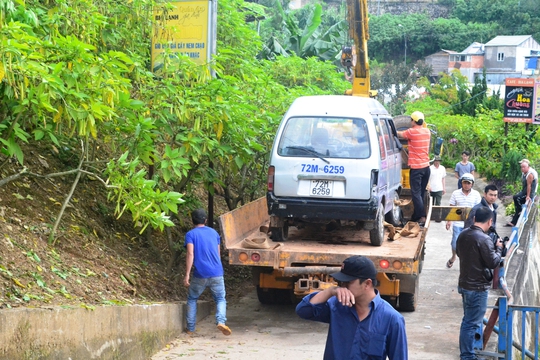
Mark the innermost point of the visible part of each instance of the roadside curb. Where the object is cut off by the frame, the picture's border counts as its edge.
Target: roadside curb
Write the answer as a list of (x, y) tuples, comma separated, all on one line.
[(107, 332)]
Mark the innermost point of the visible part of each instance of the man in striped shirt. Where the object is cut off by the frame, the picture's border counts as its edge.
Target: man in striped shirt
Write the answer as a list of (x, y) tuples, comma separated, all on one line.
[(466, 197), (418, 137)]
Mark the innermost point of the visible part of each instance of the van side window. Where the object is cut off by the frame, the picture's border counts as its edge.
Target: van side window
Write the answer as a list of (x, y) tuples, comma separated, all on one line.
[(380, 136), (387, 134)]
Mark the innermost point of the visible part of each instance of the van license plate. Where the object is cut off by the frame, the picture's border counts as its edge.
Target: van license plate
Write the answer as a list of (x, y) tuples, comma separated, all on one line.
[(321, 188)]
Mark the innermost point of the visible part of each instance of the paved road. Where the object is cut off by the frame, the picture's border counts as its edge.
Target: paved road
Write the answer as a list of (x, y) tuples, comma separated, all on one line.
[(275, 332)]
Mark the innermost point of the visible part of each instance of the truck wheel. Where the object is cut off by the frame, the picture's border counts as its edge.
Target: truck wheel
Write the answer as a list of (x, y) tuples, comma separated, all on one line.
[(279, 234), (274, 296), (402, 123), (376, 235), (266, 296), (392, 300), (395, 216), (407, 301)]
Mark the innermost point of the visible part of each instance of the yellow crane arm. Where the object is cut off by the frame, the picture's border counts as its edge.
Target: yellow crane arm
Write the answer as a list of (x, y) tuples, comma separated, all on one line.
[(356, 58)]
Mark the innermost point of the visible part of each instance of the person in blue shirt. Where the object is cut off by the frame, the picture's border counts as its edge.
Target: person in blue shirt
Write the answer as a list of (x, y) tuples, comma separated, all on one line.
[(362, 325), (203, 252)]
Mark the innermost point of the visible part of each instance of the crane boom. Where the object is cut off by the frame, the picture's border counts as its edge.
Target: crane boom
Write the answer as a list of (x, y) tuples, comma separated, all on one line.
[(355, 58)]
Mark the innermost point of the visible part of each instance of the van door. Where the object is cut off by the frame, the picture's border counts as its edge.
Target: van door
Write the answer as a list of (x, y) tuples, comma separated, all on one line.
[(385, 175), (393, 167)]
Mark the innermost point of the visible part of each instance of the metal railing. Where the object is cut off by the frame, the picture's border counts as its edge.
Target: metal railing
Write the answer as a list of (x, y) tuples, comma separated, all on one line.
[(505, 310)]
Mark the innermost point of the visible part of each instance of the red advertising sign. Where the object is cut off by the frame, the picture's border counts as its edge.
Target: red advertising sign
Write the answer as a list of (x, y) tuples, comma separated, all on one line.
[(536, 112), (519, 100)]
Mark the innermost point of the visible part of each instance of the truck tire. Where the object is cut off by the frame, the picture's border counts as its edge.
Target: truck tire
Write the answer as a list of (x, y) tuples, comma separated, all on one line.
[(408, 301), (279, 234), (392, 300), (274, 296), (395, 216), (376, 235), (403, 122)]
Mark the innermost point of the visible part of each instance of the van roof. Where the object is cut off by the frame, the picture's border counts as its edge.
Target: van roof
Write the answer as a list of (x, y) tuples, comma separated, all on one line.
[(335, 105)]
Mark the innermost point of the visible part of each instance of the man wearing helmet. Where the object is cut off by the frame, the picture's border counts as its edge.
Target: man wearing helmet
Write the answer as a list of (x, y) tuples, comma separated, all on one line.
[(466, 197), (418, 137)]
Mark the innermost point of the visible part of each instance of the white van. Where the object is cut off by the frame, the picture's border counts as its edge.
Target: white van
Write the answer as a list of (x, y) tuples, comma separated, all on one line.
[(335, 158)]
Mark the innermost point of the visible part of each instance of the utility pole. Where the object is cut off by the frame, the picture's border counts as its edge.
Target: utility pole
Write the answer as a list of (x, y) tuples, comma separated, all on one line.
[(405, 43)]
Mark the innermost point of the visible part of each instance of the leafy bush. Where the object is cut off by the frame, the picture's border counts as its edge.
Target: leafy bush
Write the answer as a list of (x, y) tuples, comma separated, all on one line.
[(494, 154)]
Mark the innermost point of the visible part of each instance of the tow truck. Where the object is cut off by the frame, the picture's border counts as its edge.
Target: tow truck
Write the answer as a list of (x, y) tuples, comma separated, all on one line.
[(292, 255)]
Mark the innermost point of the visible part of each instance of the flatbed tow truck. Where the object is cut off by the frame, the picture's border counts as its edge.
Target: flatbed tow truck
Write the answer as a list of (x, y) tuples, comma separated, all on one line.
[(291, 257), (283, 271)]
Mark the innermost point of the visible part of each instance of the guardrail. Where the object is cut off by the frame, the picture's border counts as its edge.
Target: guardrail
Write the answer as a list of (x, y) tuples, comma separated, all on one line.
[(505, 310)]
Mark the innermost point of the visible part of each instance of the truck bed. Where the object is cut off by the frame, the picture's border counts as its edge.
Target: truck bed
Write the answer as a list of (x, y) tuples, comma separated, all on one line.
[(313, 245)]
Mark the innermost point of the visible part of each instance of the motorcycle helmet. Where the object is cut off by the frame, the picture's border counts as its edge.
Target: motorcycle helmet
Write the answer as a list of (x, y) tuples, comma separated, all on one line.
[(467, 177)]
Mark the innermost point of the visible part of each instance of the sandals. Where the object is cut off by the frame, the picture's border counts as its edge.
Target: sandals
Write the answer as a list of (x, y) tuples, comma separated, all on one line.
[(449, 264)]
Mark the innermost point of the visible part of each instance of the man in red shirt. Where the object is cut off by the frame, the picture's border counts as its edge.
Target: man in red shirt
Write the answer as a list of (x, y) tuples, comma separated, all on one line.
[(418, 137)]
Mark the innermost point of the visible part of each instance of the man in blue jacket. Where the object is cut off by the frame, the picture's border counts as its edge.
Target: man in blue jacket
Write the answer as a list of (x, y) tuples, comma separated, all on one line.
[(362, 325)]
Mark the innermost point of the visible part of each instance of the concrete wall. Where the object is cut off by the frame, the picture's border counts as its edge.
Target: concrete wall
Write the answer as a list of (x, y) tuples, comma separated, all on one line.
[(399, 7), (108, 332)]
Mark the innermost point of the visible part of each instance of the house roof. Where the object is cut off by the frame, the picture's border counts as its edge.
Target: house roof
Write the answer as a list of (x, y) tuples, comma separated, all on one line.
[(475, 48), (508, 40), (443, 52)]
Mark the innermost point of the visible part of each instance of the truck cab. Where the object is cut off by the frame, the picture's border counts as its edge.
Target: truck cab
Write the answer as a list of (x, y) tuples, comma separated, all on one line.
[(335, 159)]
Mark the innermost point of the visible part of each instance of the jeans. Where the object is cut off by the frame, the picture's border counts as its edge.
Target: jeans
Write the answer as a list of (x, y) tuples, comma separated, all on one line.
[(456, 230), (196, 288), (419, 179), (474, 309)]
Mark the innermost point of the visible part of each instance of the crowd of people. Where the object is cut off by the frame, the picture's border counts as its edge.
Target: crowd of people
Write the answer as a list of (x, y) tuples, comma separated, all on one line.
[(362, 325)]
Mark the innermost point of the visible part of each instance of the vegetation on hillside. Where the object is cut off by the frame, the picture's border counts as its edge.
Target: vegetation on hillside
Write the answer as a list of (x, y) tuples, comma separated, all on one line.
[(471, 119), (76, 90), (75, 74)]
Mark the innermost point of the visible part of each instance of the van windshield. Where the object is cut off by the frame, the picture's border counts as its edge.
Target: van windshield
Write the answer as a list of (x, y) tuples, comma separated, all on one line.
[(327, 137)]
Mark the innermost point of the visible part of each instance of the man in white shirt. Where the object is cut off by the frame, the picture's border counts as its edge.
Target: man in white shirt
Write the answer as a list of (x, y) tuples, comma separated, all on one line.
[(437, 185), (467, 197)]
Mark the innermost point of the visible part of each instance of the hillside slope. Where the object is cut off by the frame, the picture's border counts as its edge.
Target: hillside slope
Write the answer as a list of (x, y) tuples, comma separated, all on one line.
[(96, 259)]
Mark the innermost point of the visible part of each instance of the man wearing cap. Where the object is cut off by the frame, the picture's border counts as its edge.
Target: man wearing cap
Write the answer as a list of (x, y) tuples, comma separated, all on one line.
[(418, 137), (203, 252), (529, 181), (437, 186), (362, 325)]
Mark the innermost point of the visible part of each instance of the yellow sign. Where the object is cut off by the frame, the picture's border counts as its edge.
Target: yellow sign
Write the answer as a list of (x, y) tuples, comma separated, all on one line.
[(181, 30)]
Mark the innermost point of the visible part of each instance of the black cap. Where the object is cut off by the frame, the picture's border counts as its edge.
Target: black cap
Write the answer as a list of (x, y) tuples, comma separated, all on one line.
[(198, 216), (356, 267)]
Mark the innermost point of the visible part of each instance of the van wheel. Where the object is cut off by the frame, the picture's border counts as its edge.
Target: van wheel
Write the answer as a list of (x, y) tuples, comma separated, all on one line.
[(376, 235), (279, 234), (395, 216)]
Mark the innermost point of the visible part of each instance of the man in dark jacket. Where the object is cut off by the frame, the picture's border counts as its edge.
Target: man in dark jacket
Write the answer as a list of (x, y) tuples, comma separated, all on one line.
[(477, 256), (489, 199)]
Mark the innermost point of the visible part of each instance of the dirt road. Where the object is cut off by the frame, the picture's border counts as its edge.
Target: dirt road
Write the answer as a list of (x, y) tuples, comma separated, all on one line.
[(275, 332)]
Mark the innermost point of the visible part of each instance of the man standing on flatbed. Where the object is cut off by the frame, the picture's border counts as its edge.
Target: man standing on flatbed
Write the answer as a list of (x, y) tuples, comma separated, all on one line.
[(418, 137)]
